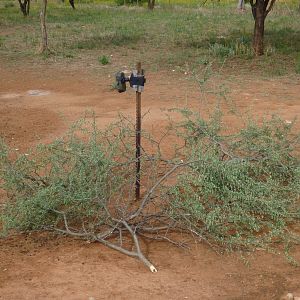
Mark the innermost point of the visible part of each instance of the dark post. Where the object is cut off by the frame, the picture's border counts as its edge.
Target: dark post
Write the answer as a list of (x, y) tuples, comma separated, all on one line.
[(137, 81), (138, 138)]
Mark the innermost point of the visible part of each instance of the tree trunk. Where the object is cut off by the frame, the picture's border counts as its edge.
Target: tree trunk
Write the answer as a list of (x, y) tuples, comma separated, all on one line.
[(44, 41), (28, 7), (72, 3), (24, 6), (151, 4), (259, 14), (241, 5)]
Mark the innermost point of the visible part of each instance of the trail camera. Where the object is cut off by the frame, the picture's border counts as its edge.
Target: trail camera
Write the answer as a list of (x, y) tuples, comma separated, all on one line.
[(136, 80)]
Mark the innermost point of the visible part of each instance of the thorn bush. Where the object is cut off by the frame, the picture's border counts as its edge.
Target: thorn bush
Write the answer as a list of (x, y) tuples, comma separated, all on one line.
[(237, 190), (242, 190)]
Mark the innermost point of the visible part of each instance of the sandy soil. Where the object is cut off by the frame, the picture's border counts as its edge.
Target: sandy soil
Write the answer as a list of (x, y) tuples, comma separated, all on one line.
[(38, 104)]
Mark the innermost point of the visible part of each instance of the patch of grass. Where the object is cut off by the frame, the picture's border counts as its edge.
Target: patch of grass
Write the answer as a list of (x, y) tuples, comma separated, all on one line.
[(285, 40), (235, 44), (203, 61), (130, 2), (221, 50), (103, 60), (9, 5), (168, 37), (298, 64), (2, 41), (118, 37)]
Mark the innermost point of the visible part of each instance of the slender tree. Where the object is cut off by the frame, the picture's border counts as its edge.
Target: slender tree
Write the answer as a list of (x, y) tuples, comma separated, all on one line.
[(260, 10), (71, 3), (151, 4), (241, 5), (24, 6), (44, 42)]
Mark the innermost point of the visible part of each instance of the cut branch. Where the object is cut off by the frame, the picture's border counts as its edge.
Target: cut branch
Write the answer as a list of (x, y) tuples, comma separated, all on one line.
[(151, 191)]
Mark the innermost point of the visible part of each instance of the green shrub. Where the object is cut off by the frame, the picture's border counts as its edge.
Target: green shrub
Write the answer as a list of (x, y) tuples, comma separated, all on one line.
[(103, 60), (235, 190), (242, 189), (75, 174)]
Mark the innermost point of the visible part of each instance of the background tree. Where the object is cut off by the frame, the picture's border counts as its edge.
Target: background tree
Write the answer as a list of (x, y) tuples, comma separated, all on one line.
[(25, 7), (71, 3), (44, 42), (151, 4), (241, 5), (260, 10)]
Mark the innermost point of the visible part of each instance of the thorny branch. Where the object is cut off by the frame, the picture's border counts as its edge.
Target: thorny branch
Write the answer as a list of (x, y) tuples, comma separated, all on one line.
[(137, 223), (117, 217)]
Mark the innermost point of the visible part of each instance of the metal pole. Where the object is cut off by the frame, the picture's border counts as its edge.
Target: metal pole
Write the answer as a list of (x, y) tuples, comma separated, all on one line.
[(138, 138)]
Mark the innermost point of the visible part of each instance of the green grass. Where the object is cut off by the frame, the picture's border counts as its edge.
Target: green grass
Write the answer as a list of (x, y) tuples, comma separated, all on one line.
[(103, 60), (298, 64), (168, 37)]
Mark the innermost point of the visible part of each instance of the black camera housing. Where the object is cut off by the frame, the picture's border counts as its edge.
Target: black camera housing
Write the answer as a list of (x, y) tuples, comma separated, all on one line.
[(121, 82), (136, 81)]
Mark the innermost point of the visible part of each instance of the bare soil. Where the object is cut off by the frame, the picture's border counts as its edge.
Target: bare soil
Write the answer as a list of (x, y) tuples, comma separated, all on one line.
[(38, 104)]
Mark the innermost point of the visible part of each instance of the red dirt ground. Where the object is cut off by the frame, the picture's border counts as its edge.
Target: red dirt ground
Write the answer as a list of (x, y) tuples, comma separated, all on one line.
[(45, 266)]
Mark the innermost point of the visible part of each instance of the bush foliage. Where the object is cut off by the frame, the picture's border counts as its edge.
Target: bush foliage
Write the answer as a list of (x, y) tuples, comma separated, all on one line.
[(240, 189), (76, 174), (234, 190)]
